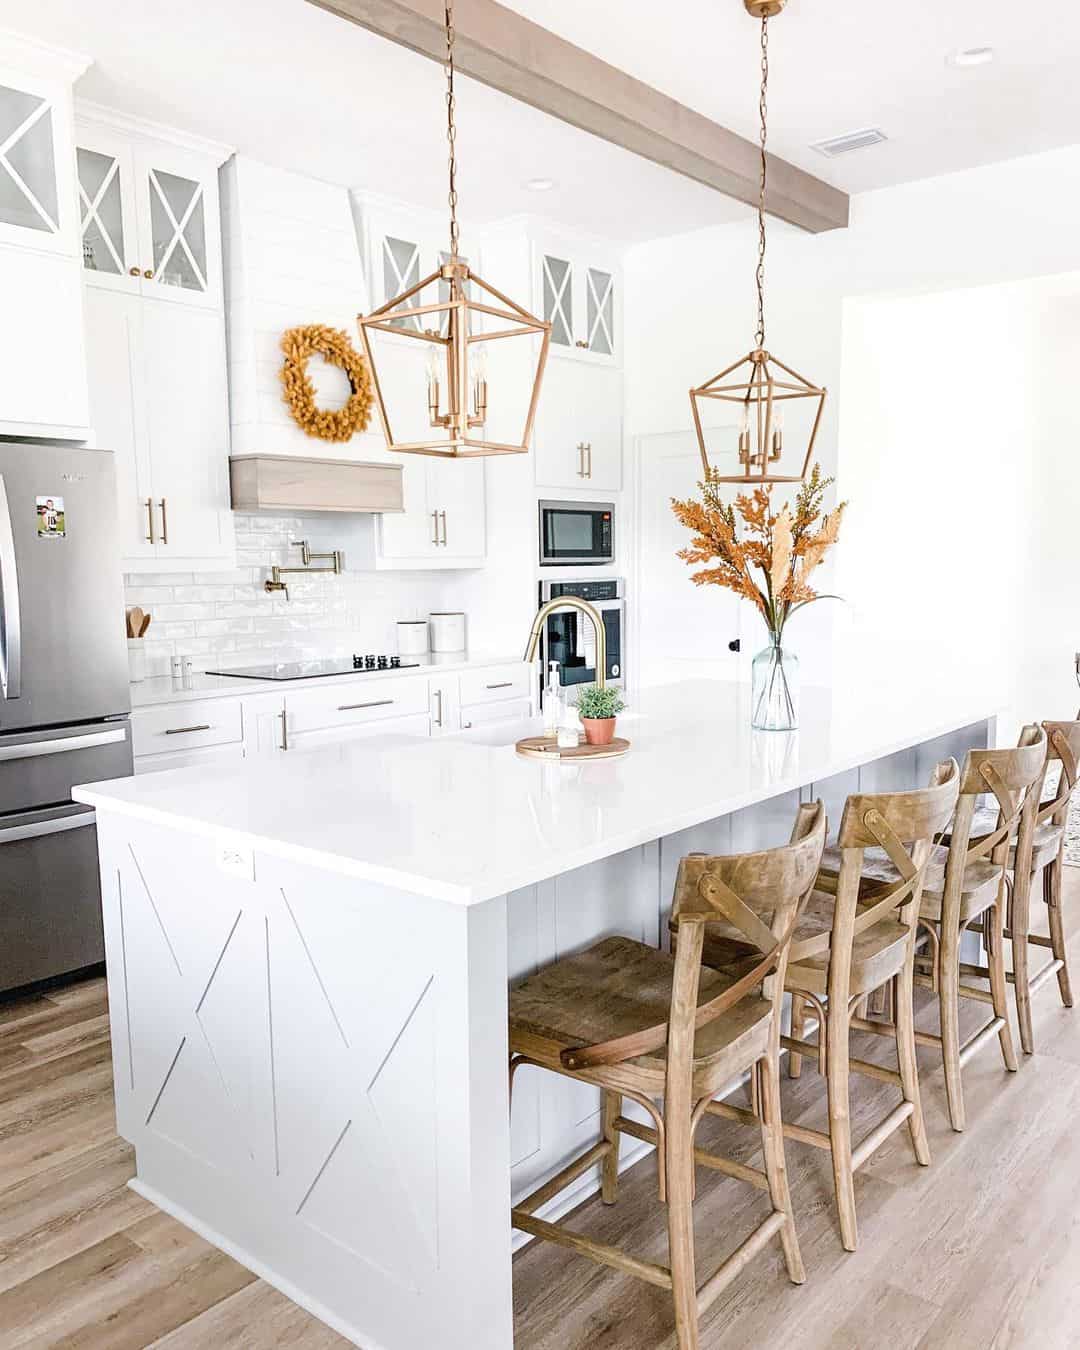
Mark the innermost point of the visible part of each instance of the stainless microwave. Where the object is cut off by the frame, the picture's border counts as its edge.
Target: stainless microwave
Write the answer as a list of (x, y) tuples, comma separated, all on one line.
[(575, 533)]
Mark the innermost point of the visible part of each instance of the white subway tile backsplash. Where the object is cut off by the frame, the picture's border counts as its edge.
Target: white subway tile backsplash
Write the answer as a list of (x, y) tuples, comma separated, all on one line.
[(226, 618)]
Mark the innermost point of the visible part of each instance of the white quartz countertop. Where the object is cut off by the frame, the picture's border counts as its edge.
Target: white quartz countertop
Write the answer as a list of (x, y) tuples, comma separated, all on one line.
[(163, 689), (465, 818)]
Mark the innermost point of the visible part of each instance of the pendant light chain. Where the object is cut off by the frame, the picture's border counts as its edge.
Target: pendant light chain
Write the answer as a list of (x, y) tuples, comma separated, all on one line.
[(763, 108), (451, 130)]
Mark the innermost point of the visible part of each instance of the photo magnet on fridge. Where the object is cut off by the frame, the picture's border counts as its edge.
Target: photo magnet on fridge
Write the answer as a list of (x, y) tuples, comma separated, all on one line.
[(50, 518)]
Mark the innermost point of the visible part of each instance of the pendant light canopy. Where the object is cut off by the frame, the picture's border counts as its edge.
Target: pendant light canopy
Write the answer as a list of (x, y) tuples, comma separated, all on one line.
[(763, 387), (463, 316)]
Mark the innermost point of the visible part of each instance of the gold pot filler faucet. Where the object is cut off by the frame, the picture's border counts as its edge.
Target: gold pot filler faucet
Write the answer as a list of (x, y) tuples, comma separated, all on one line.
[(583, 606), (335, 562)]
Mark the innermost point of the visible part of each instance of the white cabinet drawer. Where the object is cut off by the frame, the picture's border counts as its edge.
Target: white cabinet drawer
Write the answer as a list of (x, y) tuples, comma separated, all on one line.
[(185, 759), (345, 704), (182, 726), (487, 714), (495, 683)]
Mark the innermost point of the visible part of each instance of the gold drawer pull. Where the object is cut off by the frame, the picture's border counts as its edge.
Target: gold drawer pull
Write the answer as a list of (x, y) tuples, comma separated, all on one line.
[(183, 731), (375, 703), (506, 684)]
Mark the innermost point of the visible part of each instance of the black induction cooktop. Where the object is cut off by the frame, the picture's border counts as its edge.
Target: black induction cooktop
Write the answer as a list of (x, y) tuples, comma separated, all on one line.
[(313, 670)]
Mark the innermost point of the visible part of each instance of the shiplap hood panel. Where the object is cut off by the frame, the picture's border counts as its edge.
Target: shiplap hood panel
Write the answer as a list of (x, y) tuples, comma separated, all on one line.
[(287, 483)]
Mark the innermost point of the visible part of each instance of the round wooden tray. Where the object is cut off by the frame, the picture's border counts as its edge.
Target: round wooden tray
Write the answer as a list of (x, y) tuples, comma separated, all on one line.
[(547, 747)]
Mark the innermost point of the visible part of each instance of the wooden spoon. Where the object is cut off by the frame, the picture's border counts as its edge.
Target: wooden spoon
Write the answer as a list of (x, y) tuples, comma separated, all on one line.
[(144, 625), (135, 618)]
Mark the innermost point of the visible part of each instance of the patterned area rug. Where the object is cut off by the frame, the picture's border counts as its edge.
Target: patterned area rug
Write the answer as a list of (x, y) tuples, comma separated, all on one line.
[(1072, 835)]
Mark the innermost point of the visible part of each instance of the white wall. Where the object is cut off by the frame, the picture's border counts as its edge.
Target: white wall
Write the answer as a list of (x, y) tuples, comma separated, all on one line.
[(690, 302)]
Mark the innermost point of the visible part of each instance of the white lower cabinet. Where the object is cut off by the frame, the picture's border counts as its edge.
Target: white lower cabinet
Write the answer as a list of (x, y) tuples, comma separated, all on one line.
[(172, 735), (490, 714), (189, 759)]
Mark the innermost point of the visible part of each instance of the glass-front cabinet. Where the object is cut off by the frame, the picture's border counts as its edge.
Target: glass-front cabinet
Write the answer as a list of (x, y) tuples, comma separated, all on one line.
[(148, 212), (36, 208), (578, 295)]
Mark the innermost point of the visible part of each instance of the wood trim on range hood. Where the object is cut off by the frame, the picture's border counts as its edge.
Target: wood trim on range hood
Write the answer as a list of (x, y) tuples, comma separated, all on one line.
[(295, 483), (500, 48)]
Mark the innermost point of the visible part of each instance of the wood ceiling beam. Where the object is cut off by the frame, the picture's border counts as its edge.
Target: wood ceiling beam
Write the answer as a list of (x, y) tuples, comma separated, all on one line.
[(500, 48)]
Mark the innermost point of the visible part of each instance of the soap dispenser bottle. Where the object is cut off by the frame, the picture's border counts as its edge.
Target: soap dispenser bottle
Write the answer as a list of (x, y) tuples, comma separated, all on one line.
[(553, 701)]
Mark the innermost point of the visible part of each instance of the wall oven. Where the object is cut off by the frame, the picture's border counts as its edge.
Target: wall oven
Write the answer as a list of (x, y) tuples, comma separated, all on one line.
[(575, 533), (569, 639)]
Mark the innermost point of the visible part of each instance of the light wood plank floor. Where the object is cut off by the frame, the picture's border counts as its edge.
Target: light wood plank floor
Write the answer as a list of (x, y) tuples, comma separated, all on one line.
[(981, 1250)]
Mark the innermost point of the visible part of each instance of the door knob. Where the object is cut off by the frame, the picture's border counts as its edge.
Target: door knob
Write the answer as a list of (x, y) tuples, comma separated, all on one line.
[(735, 645)]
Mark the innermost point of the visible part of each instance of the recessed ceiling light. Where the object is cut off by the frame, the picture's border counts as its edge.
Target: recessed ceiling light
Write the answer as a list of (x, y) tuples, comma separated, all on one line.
[(540, 184), (965, 57)]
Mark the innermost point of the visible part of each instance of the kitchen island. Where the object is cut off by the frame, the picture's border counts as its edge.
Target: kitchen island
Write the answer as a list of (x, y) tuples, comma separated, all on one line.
[(308, 964)]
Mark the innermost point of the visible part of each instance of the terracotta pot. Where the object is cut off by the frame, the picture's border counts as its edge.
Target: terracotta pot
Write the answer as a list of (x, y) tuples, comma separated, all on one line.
[(599, 730)]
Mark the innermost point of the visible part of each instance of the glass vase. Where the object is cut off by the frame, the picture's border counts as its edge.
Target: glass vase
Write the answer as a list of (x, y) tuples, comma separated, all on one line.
[(774, 698)]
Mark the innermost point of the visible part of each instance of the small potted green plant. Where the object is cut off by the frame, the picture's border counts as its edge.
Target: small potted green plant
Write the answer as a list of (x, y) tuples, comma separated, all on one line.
[(598, 709)]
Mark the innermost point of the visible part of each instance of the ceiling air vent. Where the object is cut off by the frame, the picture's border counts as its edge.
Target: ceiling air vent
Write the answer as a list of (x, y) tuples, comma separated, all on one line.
[(854, 140)]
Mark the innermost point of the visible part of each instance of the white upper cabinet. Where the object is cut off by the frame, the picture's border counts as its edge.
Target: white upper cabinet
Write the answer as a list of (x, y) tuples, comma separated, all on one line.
[(578, 292), (443, 525), (39, 242), (151, 263), (578, 439), (148, 210)]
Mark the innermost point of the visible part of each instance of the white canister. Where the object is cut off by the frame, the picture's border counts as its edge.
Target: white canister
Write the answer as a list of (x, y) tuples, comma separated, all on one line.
[(412, 637), (136, 660), (447, 632)]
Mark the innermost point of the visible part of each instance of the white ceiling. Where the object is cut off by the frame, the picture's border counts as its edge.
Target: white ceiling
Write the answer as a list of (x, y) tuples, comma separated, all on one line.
[(294, 86), (843, 65)]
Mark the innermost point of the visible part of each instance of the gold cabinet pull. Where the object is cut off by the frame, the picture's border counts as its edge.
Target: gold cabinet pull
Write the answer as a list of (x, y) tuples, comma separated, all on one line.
[(582, 343), (133, 271), (581, 460), (150, 520), (588, 459), (183, 731), (164, 523), (148, 275)]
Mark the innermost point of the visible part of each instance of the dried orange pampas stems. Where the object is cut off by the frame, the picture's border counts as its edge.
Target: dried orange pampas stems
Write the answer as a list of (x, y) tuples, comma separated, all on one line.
[(785, 547), (299, 345)]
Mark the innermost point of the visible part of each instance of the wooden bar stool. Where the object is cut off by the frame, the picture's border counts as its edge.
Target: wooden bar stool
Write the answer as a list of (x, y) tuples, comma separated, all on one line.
[(965, 888), (845, 947), (643, 1024), (1039, 849)]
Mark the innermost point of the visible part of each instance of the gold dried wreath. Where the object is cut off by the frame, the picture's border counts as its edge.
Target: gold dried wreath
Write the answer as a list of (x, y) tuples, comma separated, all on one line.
[(299, 345)]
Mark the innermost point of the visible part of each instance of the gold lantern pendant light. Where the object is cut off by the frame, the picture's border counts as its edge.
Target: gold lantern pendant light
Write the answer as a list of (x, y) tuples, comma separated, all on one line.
[(453, 327), (760, 381)]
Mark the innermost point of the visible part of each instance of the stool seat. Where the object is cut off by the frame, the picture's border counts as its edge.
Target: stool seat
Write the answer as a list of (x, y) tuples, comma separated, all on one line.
[(1046, 839), (619, 987), (977, 890), (876, 955)]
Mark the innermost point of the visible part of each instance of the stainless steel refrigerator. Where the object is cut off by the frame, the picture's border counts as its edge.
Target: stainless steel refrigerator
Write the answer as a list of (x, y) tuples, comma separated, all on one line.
[(64, 710)]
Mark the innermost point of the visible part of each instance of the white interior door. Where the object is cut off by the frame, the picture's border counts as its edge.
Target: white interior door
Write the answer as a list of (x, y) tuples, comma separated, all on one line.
[(683, 630), (118, 409)]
